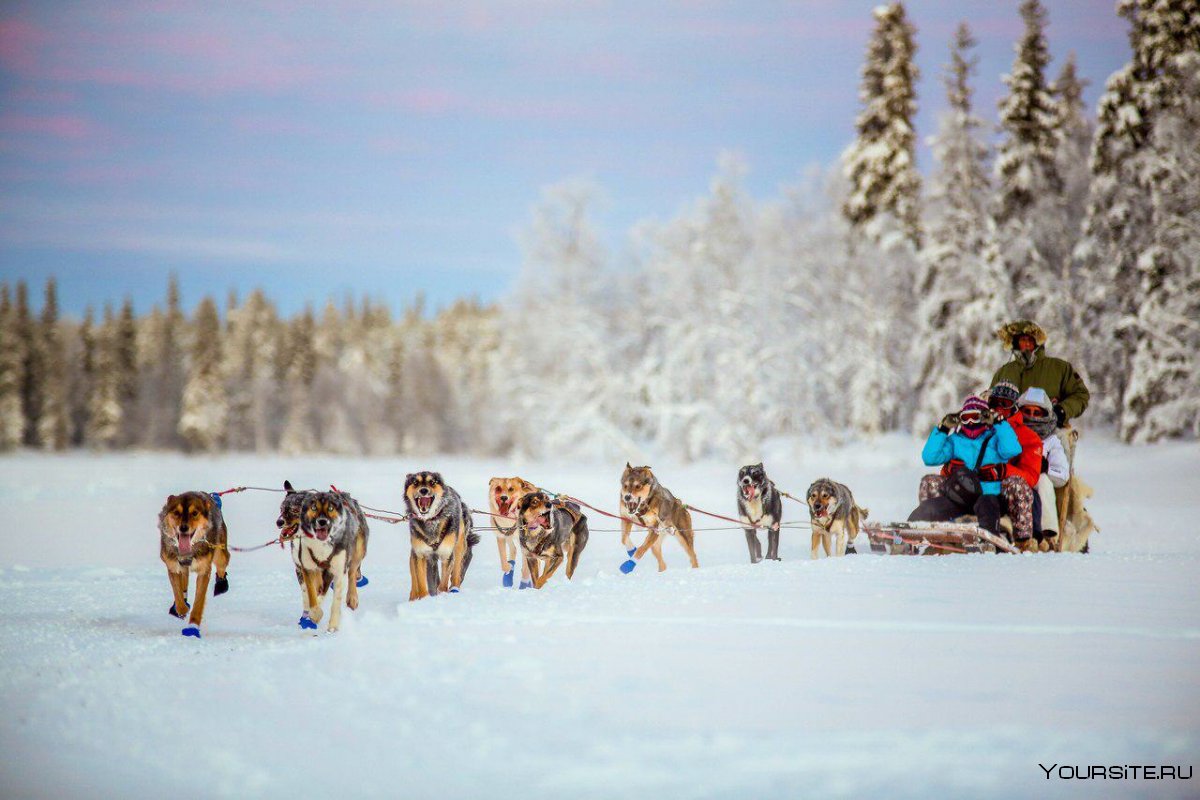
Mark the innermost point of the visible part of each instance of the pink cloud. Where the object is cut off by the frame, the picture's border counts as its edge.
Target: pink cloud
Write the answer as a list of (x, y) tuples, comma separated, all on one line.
[(62, 126)]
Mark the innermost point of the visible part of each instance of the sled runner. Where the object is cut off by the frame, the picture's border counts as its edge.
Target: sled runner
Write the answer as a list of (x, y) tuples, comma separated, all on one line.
[(915, 538)]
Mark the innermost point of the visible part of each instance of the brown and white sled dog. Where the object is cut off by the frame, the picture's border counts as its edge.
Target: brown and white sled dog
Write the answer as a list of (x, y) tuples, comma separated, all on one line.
[(439, 526), (551, 532), (329, 551), (650, 503), (503, 496), (192, 538), (834, 515)]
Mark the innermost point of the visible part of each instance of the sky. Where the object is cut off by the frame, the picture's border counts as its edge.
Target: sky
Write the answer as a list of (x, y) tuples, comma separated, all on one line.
[(321, 149)]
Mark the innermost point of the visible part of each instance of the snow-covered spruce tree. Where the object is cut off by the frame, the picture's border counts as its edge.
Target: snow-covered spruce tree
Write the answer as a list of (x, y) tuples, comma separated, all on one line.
[(885, 187), (53, 425), (953, 270), (83, 373), (299, 354), (12, 415), (1118, 225), (1076, 129), (419, 390), (104, 403), (125, 342), (1027, 178), (161, 367), (202, 421), (24, 342), (250, 345), (553, 362), (1162, 397)]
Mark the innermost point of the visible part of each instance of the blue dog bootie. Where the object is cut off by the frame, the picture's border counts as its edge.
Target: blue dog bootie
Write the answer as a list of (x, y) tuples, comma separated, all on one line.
[(507, 580), (453, 590), (306, 622), (628, 566), (525, 585), (361, 582), (631, 551), (191, 630)]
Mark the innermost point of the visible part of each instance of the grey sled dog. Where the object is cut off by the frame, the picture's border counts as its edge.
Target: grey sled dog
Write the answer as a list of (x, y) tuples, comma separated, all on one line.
[(833, 513), (329, 551), (759, 503)]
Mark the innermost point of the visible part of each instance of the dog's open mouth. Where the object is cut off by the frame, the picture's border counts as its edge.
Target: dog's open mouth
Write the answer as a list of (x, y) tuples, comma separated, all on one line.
[(631, 506), (543, 521), (424, 503), (321, 533), (503, 505), (289, 531), (750, 490)]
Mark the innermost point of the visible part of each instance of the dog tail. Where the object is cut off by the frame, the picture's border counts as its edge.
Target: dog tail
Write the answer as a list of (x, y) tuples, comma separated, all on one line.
[(863, 512), (472, 539)]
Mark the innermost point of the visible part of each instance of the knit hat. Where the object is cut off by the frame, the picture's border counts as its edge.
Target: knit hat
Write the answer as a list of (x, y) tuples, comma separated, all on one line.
[(1005, 390), (974, 403)]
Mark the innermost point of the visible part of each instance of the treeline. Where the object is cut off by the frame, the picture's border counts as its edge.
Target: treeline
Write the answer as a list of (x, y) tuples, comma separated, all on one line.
[(347, 380)]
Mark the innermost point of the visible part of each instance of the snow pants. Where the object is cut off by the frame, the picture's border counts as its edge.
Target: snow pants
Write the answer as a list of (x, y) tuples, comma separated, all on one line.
[(1017, 495), (1045, 490)]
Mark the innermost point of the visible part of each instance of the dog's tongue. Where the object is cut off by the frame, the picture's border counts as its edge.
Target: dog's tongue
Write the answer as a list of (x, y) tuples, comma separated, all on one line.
[(185, 543), (751, 490), (424, 503), (322, 533), (503, 507)]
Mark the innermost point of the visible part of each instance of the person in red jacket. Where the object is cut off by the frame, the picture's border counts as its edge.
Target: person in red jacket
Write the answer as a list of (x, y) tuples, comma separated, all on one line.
[(1019, 477)]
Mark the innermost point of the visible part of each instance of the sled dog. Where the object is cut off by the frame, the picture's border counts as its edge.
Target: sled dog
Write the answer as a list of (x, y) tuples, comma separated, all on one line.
[(551, 532), (439, 526), (192, 537), (834, 514), (288, 523), (650, 503), (759, 503), (503, 496), (329, 551)]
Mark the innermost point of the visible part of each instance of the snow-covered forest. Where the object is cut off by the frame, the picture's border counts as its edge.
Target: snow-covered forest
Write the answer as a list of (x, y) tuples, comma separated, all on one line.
[(861, 300)]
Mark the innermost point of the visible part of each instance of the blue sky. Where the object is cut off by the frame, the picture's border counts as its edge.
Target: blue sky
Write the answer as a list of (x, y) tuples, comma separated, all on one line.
[(318, 148)]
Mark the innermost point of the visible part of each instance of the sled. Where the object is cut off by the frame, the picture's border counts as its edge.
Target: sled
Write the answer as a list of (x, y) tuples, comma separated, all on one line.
[(916, 538)]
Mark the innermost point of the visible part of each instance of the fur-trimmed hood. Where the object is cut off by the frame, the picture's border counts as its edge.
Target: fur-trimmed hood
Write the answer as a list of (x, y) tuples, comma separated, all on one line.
[(1012, 330)]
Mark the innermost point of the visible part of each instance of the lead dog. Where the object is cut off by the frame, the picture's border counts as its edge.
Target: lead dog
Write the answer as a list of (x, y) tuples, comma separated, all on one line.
[(551, 532), (759, 504), (650, 503), (503, 496), (192, 537), (331, 546), (834, 514), (439, 526)]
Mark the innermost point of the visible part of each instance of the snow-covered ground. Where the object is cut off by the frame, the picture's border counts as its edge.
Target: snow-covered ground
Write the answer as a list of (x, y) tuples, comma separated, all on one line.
[(865, 676)]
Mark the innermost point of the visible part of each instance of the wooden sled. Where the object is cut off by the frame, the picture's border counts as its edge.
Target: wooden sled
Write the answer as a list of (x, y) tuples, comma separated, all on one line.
[(929, 538)]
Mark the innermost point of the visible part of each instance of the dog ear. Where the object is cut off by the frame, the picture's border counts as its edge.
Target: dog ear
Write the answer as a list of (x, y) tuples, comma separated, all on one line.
[(287, 487), (628, 465), (172, 499)]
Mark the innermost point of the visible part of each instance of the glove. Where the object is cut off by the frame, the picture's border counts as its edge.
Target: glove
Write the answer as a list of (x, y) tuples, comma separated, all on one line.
[(988, 417), (993, 472), (948, 423), (1060, 415), (1045, 464)]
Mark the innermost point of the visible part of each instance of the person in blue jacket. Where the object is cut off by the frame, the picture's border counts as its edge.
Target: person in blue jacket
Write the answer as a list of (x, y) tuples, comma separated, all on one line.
[(959, 438)]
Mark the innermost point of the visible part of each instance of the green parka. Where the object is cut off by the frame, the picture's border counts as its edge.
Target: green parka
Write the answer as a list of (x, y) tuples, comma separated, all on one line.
[(1056, 376)]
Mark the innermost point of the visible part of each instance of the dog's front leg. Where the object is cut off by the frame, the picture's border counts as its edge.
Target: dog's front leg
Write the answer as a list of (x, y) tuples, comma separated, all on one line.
[(626, 542), (816, 543), (338, 565), (651, 538), (197, 616), (416, 569), (658, 554), (312, 594), (502, 544), (753, 545), (840, 544), (555, 561), (179, 590), (773, 542)]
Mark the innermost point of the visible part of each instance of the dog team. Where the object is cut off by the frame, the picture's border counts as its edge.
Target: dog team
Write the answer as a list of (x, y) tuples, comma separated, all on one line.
[(328, 535)]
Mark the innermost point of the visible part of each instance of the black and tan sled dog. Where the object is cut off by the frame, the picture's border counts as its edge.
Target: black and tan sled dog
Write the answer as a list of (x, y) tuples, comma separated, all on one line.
[(439, 526), (646, 500), (192, 538), (759, 504), (834, 515), (328, 550), (551, 532)]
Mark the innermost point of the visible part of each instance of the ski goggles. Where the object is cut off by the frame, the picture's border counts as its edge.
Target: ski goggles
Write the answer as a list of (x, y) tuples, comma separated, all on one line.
[(1001, 403), (970, 417), (1034, 412)]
